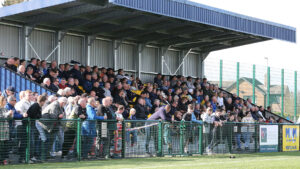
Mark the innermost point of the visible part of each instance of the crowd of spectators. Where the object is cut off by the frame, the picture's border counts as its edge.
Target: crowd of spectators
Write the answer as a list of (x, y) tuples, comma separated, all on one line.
[(93, 93)]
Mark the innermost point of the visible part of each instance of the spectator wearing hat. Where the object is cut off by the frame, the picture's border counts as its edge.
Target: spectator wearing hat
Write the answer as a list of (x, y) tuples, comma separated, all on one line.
[(10, 91)]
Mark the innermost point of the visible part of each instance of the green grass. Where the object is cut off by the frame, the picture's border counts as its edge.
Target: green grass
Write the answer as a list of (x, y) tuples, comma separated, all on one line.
[(249, 161)]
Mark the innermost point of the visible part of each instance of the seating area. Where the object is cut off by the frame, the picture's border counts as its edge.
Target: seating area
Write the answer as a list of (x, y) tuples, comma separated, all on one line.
[(94, 95)]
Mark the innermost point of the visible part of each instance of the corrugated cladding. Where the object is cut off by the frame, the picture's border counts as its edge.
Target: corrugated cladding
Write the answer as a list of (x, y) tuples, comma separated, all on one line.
[(191, 64), (102, 53), (9, 41), (149, 59), (172, 59), (43, 43), (147, 77), (72, 49), (212, 16), (126, 56)]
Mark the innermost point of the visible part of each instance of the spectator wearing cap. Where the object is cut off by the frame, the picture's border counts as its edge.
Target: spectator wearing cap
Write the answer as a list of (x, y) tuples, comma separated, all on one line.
[(75, 72), (10, 91)]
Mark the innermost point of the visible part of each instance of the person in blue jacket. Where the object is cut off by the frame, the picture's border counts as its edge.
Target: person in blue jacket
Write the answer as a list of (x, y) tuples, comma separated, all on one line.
[(89, 127)]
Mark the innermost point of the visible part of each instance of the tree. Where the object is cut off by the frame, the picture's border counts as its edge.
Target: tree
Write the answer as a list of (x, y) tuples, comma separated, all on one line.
[(11, 2)]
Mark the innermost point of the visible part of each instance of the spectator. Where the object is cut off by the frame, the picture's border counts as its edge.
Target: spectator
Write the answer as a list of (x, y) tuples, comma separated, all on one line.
[(141, 111), (88, 84), (63, 83), (160, 114), (33, 66), (4, 131), (10, 64), (35, 112), (89, 126), (79, 111), (43, 68), (55, 111), (29, 73), (47, 83), (21, 71), (10, 91), (247, 129)]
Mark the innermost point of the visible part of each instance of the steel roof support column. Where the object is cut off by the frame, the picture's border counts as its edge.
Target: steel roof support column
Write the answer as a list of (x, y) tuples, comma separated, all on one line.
[(60, 37), (141, 47), (89, 43), (116, 46), (202, 66), (183, 71), (163, 53), (27, 32)]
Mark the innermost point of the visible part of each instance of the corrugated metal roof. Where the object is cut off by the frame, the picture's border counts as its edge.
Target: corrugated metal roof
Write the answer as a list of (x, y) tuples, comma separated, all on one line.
[(180, 24), (196, 12)]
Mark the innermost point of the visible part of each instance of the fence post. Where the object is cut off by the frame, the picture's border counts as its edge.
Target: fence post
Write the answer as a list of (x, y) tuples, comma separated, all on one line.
[(159, 153), (78, 139), (200, 140), (256, 136), (28, 129), (181, 138), (123, 138), (238, 79), (268, 87), (282, 92), (279, 138), (295, 98), (253, 85), (221, 73), (230, 136)]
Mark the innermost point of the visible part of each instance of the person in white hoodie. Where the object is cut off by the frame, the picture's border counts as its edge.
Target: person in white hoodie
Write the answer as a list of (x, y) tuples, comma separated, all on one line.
[(207, 125)]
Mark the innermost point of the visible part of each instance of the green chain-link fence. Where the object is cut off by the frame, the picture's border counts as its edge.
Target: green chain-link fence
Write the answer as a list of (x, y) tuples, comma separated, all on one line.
[(264, 85), (24, 141)]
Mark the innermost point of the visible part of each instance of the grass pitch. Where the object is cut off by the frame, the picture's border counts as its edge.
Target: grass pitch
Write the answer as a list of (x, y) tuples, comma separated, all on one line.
[(283, 160)]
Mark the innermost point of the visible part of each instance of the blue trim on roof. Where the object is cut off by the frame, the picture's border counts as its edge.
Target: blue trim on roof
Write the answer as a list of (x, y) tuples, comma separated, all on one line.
[(195, 12), (29, 6)]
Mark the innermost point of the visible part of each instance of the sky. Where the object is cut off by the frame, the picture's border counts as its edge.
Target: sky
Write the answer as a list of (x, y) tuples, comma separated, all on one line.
[(280, 54)]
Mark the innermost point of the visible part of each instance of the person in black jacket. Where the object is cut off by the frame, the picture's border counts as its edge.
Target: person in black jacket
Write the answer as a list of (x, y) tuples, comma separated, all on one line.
[(35, 112), (141, 110), (99, 91)]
